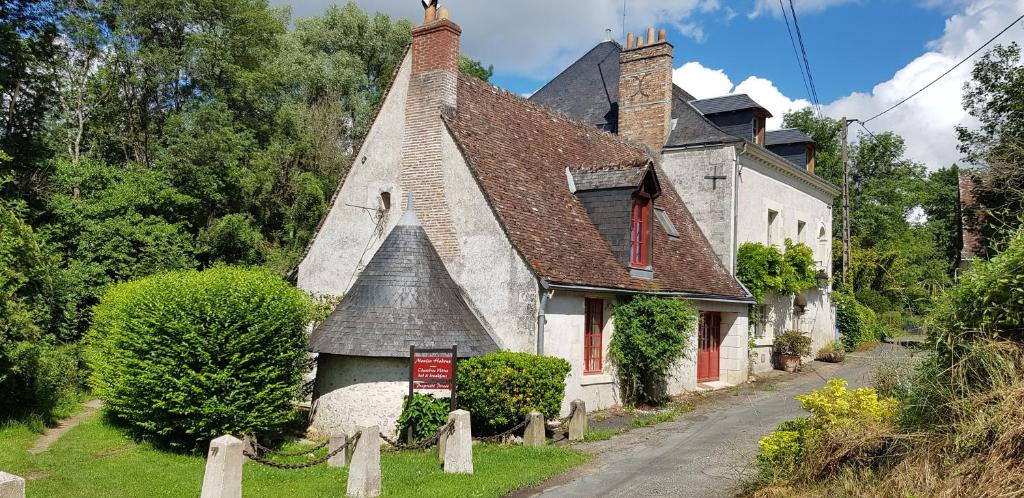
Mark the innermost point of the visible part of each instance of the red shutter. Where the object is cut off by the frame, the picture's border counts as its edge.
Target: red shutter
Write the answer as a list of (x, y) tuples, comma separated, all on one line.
[(640, 250), (592, 335)]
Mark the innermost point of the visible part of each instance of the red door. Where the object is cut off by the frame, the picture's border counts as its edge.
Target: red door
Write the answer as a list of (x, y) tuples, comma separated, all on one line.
[(708, 338)]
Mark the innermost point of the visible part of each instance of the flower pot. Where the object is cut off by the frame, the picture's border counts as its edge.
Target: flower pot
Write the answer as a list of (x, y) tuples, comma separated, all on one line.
[(790, 362)]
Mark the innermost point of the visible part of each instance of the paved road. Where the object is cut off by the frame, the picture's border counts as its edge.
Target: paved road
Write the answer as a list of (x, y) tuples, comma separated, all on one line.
[(707, 452)]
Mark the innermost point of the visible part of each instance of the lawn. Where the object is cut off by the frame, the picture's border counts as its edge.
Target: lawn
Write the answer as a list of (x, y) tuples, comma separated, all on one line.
[(95, 459)]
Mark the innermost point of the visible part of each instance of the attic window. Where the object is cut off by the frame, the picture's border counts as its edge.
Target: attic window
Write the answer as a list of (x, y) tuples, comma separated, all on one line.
[(640, 233), (759, 126), (385, 201), (666, 223)]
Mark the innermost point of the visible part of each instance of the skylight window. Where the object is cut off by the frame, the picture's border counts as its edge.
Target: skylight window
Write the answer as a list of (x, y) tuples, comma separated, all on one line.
[(666, 223)]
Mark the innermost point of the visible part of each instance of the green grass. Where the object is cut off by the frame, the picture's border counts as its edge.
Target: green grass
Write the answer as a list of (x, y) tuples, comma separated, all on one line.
[(600, 434), (95, 459), (664, 416)]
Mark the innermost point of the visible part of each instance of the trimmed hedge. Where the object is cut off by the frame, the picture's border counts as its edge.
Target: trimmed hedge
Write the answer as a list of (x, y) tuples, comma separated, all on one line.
[(501, 388), (184, 357)]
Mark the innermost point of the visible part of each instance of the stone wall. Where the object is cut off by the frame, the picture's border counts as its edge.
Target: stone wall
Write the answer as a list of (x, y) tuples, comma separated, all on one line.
[(710, 203), (354, 391)]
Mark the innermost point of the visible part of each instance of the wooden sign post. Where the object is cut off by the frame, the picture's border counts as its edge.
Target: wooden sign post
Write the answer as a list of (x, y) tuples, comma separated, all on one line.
[(432, 369)]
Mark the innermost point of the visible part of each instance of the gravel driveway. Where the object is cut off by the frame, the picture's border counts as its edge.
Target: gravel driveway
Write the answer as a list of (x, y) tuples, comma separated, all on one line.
[(706, 452)]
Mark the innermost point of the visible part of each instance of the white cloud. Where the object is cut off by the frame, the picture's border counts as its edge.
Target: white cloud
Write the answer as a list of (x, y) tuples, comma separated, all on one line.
[(537, 36), (927, 121), (703, 82), (802, 6)]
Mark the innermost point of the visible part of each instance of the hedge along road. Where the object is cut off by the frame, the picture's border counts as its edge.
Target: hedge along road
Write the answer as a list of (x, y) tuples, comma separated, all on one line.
[(706, 452)]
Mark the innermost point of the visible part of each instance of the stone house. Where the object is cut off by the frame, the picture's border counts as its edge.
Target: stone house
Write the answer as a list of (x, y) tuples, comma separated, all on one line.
[(740, 182), (542, 222)]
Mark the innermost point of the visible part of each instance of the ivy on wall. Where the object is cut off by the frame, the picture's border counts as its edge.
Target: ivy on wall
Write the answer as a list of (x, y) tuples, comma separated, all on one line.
[(651, 334), (764, 269)]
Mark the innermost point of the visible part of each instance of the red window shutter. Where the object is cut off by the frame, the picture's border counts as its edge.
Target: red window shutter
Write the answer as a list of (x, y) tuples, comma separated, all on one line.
[(640, 233), (592, 335)]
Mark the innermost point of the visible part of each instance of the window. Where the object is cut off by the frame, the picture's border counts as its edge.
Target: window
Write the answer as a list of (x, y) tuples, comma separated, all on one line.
[(640, 233), (759, 126), (385, 200), (810, 158), (759, 315), (592, 336), (666, 223), (801, 232), (772, 216)]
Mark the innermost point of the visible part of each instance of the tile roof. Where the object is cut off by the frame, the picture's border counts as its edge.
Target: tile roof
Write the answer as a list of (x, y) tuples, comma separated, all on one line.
[(726, 103), (403, 297), (786, 136), (518, 153)]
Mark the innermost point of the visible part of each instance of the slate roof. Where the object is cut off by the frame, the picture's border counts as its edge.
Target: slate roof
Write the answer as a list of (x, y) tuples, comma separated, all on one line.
[(726, 103), (518, 152), (786, 136), (690, 126), (403, 297), (619, 177)]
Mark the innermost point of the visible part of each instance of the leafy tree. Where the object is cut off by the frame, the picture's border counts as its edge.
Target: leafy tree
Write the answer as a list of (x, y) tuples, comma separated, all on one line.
[(475, 69), (233, 239)]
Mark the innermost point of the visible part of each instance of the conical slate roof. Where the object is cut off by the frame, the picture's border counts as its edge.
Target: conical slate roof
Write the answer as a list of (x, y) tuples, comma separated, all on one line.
[(403, 297)]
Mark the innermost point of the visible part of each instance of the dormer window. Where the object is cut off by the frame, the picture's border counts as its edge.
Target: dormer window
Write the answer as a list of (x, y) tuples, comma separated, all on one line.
[(640, 232), (760, 122)]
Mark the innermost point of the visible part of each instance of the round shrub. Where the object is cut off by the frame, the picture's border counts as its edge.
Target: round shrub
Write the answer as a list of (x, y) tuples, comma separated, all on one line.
[(500, 389), (184, 357), (651, 333)]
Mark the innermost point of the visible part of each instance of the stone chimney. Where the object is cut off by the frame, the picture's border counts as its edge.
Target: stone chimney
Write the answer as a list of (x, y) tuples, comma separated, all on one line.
[(645, 89), (433, 87)]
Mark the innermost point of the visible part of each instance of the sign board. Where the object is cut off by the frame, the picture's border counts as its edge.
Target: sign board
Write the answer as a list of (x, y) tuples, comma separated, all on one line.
[(432, 369)]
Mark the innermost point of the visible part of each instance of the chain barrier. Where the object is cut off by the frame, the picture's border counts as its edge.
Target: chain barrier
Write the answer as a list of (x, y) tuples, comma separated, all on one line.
[(503, 435), (263, 449), (426, 443), (303, 465)]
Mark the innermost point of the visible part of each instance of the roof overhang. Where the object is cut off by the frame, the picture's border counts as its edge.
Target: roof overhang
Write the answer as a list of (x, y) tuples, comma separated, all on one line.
[(684, 295)]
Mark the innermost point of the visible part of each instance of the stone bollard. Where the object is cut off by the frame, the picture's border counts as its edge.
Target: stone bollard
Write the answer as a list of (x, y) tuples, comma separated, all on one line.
[(534, 434), (364, 469), (340, 459), (248, 444), (578, 422), (223, 478), (458, 449), (11, 486)]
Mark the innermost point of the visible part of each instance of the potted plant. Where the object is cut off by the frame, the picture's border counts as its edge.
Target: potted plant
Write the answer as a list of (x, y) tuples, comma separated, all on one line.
[(790, 346), (833, 352)]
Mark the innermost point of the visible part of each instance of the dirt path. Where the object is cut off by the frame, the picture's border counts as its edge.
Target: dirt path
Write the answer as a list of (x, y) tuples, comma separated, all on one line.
[(708, 451), (51, 435)]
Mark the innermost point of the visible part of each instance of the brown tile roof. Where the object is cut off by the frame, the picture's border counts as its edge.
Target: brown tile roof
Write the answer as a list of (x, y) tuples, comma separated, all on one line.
[(518, 152)]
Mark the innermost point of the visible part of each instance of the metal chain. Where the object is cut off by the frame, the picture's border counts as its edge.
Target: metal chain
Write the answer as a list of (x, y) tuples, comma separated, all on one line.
[(303, 465), (420, 445), (263, 449), (499, 437)]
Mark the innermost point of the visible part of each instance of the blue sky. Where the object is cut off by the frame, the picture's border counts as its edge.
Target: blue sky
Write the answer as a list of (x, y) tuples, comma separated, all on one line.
[(850, 47), (865, 55)]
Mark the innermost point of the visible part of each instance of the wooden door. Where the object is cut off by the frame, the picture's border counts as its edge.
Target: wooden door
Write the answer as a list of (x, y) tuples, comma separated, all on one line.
[(709, 338)]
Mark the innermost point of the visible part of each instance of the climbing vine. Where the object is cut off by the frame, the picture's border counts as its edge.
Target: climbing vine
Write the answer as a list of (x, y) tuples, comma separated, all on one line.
[(651, 333), (764, 269)]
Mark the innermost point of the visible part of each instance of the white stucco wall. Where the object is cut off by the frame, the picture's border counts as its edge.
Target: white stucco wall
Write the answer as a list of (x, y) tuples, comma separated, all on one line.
[(759, 186), (763, 187), (356, 391), (349, 236), (494, 275)]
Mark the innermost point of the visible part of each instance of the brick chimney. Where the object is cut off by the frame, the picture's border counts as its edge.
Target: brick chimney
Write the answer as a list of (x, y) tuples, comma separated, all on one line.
[(645, 89), (433, 86)]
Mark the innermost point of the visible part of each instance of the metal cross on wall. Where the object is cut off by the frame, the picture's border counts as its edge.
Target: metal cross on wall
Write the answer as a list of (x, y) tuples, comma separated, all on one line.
[(714, 178)]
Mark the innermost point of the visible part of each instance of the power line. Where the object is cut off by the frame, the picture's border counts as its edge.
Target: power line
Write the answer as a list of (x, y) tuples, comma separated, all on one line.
[(803, 50), (950, 70), (792, 41)]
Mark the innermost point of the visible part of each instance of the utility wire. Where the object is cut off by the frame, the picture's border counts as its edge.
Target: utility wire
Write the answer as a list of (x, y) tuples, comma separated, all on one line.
[(799, 65), (950, 70), (803, 50)]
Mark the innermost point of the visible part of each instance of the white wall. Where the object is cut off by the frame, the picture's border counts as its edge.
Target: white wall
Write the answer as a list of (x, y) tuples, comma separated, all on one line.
[(349, 236), (497, 280), (356, 391), (764, 187)]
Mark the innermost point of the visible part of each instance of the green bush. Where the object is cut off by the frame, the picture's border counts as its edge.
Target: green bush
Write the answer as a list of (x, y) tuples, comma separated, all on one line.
[(651, 334), (500, 389), (764, 269), (40, 380), (857, 323), (183, 357), (783, 449), (426, 414)]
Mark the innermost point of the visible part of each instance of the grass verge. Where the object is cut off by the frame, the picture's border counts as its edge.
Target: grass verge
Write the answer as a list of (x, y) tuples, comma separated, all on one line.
[(95, 459), (664, 416)]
